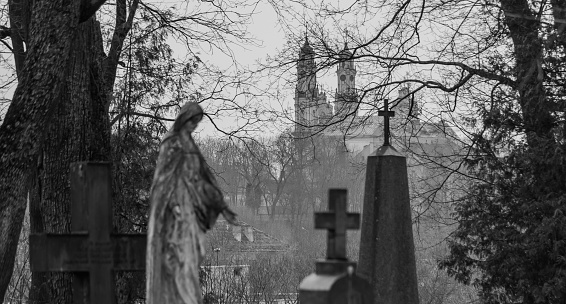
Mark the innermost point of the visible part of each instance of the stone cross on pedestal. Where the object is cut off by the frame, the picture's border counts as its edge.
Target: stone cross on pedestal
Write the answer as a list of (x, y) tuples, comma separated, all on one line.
[(386, 129), (91, 252), (334, 280), (336, 221)]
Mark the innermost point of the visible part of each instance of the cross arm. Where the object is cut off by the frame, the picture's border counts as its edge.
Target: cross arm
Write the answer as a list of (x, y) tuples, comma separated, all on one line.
[(75, 252), (327, 220)]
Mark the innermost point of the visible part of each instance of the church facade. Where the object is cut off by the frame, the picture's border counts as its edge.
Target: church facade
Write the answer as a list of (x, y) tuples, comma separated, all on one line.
[(316, 114), (325, 124)]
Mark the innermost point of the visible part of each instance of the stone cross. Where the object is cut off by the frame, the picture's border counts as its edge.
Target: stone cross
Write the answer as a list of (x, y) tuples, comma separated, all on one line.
[(336, 221), (91, 252), (334, 280), (386, 114)]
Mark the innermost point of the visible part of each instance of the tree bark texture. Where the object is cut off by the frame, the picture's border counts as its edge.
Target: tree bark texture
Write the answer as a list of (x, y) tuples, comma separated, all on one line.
[(78, 131), (19, 12), (537, 108), (528, 48), (52, 27), (559, 13), (78, 93)]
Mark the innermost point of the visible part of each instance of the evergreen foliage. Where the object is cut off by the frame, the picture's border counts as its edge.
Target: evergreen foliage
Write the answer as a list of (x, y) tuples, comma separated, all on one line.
[(511, 237)]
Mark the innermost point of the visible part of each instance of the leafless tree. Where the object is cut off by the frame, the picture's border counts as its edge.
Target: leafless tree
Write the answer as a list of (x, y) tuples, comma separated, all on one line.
[(72, 93)]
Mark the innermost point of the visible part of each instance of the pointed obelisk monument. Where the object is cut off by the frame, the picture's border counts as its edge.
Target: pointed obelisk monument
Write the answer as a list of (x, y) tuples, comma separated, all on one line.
[(387, 251)]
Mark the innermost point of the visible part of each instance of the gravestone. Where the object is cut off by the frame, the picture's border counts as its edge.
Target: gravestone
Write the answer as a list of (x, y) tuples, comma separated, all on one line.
[(335, 280), (387, 253), (91, 252)]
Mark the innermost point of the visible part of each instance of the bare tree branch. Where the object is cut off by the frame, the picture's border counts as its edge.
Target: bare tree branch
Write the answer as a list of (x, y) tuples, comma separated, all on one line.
[(88, 8)]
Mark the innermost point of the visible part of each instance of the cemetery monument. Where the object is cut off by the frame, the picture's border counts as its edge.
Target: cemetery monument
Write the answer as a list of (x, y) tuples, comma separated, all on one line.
[(91, 252), (185, 203), (334, 280), (387, 252)]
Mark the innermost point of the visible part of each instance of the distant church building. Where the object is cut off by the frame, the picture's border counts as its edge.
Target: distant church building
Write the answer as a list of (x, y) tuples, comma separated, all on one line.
[(333, 138), (312, 109), (346, 98), (360, 134), (311, 106)]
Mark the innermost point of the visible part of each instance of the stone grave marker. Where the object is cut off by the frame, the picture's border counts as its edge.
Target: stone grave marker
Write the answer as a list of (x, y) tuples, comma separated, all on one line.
[(387, 251), (91, 251), (334, 280)]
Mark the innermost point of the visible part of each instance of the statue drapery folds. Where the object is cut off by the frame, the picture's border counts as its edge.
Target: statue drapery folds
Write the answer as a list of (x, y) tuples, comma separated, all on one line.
[(185, 203)]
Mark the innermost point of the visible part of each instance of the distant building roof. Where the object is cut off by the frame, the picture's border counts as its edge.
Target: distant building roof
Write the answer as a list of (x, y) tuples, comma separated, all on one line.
[(244, 238)]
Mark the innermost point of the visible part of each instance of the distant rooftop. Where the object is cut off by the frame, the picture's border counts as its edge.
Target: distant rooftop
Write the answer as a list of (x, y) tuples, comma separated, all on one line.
[(244, 238)]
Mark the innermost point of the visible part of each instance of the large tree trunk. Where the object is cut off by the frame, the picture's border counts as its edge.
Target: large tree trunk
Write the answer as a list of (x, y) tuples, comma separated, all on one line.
[(536, 108), (78, 131), (52, 27), (77, 92), (528, 48)]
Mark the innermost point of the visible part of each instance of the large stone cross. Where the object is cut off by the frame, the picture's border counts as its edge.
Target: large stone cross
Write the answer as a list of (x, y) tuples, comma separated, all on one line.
[(386, 114), (336, 221), (91, 252)]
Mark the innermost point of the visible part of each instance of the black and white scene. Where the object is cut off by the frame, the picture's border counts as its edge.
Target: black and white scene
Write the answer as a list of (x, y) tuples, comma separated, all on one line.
[(283, 152)]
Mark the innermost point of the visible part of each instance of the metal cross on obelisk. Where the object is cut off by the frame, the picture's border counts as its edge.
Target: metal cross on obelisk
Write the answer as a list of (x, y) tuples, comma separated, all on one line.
[(387, 251), (386, 114)]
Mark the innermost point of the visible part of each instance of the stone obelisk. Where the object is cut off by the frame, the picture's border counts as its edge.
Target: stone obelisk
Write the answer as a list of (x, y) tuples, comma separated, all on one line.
[(387, 251)]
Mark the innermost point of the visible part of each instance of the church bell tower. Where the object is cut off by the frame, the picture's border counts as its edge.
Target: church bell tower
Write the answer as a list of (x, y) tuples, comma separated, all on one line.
[(310, 103), (346, 98), (306, 69)]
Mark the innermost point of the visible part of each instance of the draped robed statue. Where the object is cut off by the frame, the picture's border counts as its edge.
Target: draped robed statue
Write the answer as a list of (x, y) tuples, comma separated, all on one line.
[(185, 203)]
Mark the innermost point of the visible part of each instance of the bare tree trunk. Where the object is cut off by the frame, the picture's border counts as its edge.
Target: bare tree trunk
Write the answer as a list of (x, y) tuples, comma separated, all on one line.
[(536, 108), (19, 13), (78, 131), (53, 25), (523, 29)]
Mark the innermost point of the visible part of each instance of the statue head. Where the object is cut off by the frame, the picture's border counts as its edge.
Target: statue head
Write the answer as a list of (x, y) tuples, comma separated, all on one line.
[(189, 117)]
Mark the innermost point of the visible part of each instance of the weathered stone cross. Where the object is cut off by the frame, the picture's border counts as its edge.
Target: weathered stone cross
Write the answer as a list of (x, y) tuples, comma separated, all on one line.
[(386, 114), (91, 252), (336, 222)]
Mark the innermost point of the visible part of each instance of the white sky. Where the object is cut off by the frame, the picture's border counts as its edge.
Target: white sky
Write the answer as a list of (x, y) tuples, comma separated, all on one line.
[(270, 37), (266, 29)]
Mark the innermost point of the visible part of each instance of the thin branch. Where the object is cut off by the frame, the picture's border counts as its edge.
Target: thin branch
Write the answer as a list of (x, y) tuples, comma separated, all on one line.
[(122, 28), (122, 114), (7, 45)]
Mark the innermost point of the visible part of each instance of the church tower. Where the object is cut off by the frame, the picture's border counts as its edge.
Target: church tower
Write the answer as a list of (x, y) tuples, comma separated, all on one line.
[(346, 98), (311, 107), (306, 69), (406, 108)]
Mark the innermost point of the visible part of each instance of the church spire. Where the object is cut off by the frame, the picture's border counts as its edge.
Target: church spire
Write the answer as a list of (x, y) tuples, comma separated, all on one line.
[(306, 49), (306, 68)]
